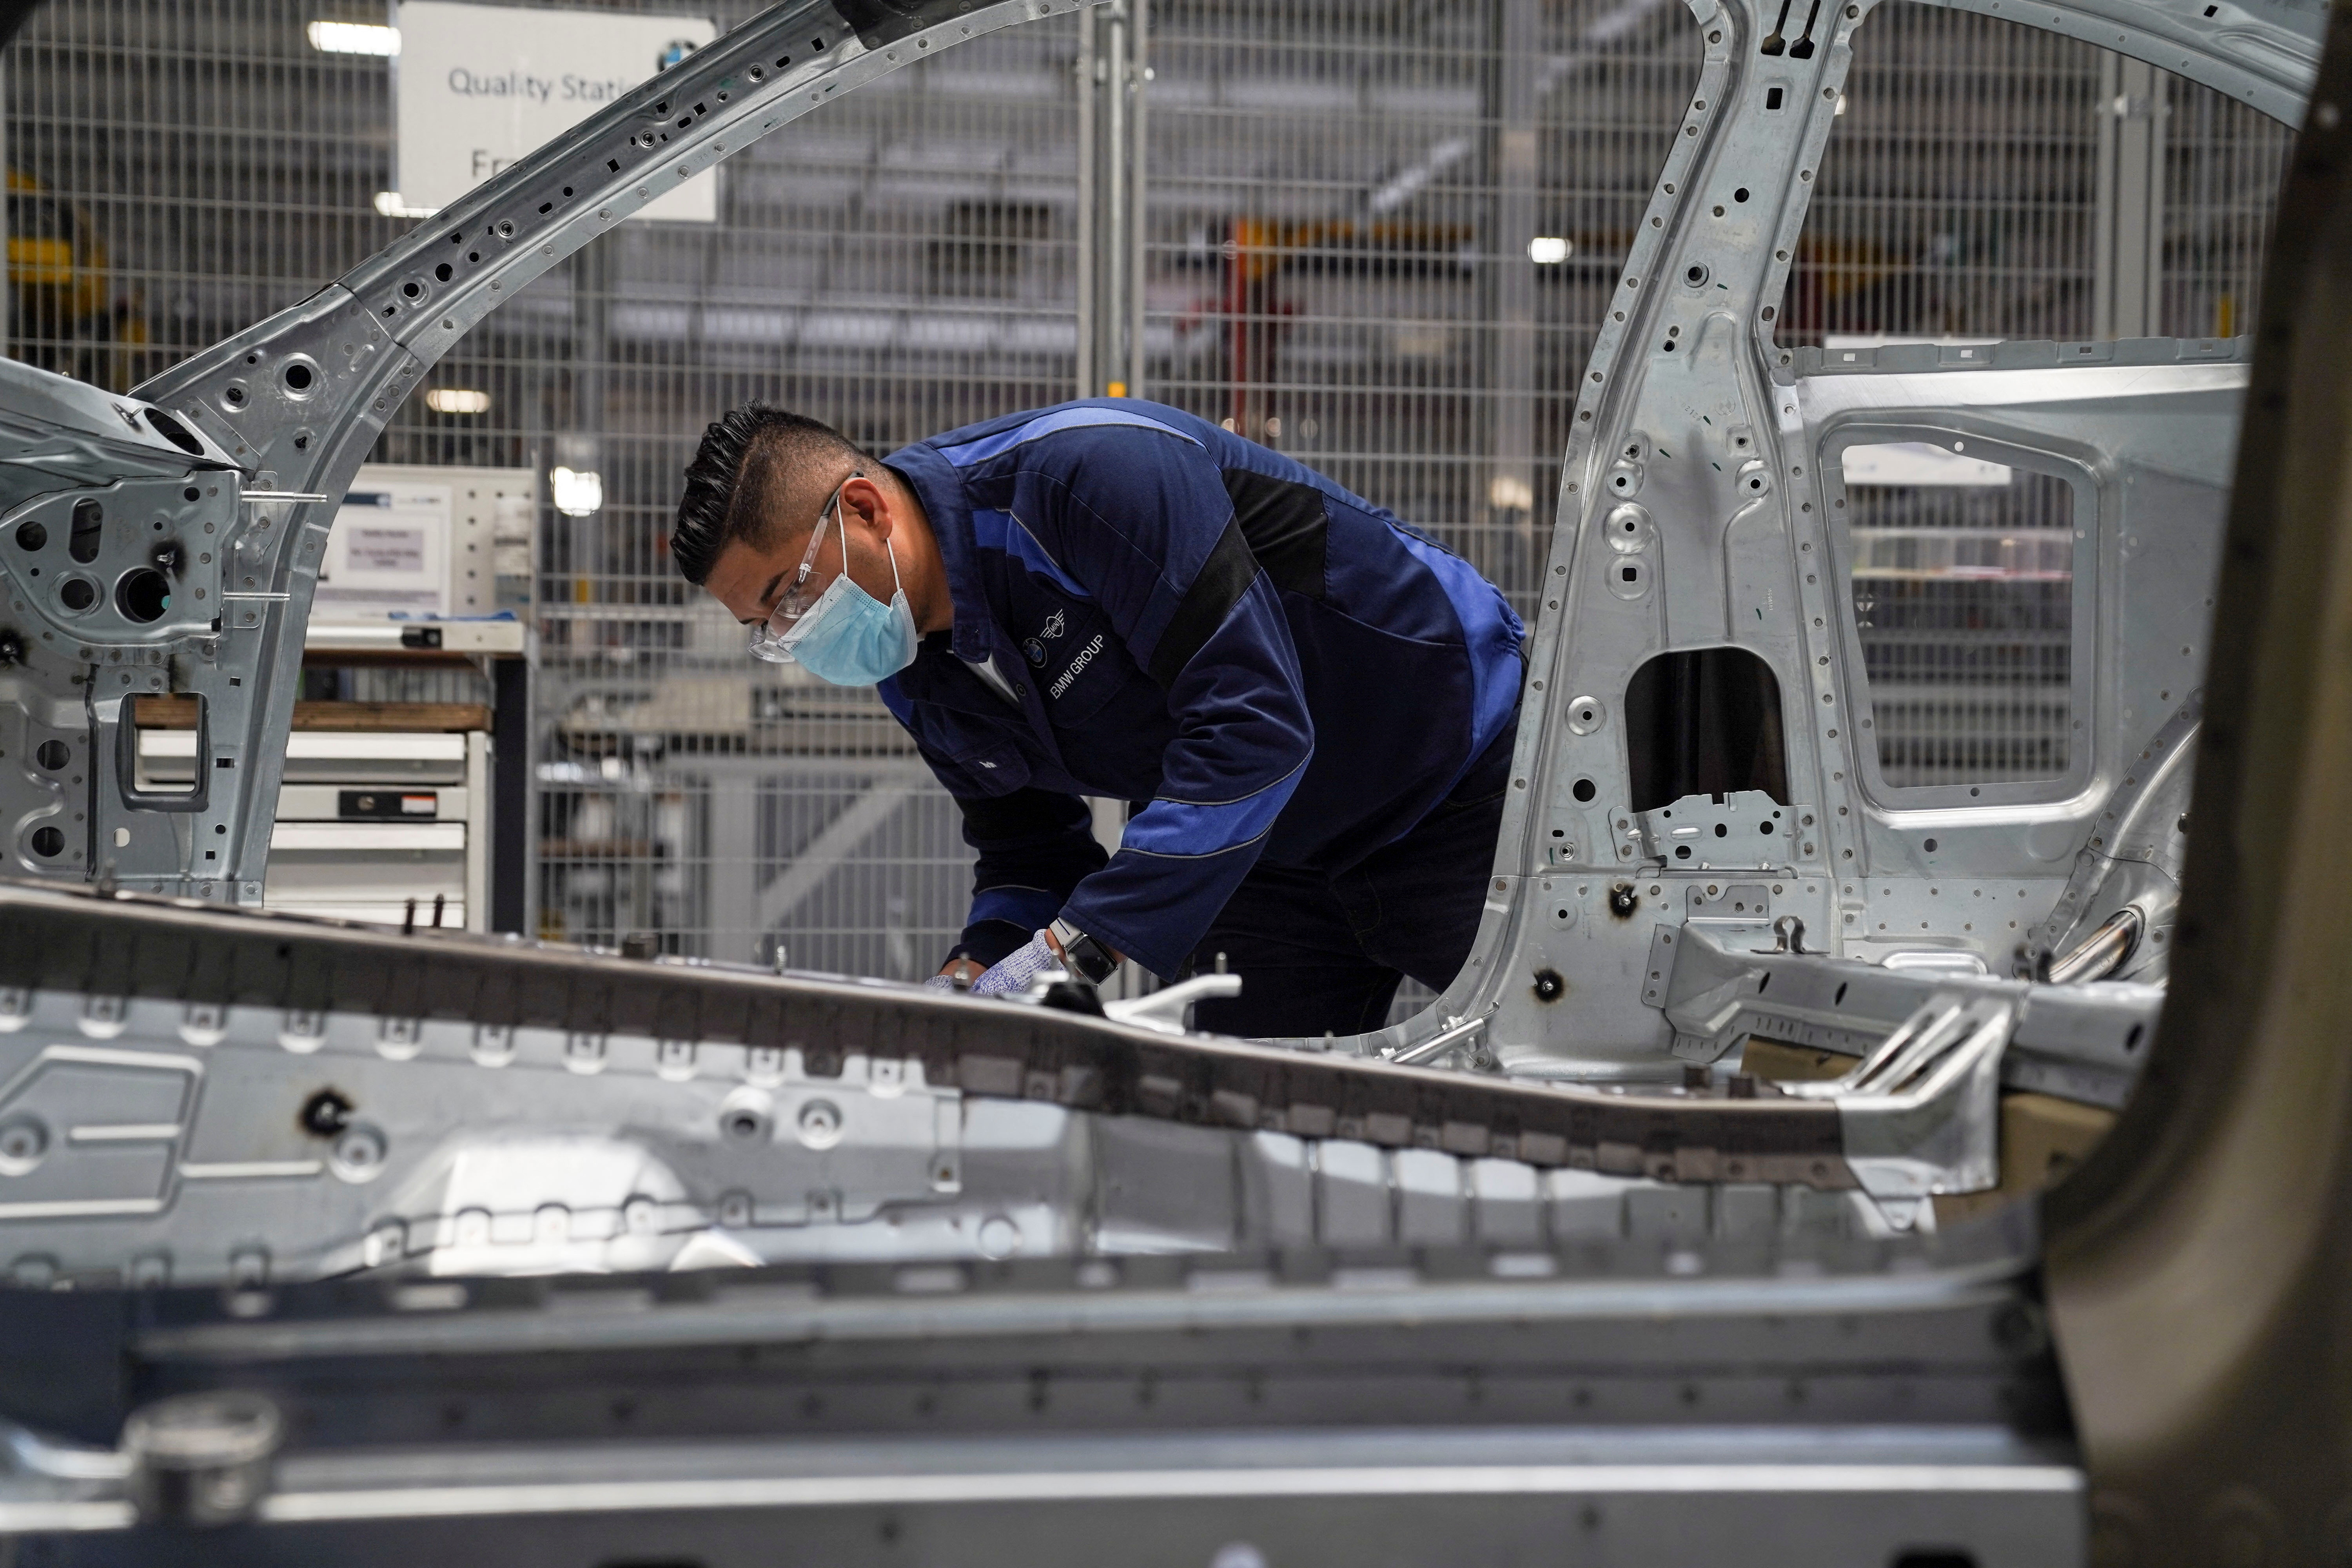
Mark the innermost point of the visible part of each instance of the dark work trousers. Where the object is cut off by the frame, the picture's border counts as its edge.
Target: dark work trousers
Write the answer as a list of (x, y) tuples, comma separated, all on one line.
[(1322, 952)]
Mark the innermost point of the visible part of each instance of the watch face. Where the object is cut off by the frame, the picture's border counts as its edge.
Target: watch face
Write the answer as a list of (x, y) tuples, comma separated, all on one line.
[(1089, 955)]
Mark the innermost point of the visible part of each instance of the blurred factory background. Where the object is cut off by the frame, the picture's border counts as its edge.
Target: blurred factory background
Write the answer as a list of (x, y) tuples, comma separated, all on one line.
[(1344, 250)]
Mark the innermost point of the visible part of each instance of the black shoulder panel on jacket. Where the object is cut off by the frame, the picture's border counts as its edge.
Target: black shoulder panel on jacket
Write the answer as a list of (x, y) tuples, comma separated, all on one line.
[(1222, 579), (1286, 526)]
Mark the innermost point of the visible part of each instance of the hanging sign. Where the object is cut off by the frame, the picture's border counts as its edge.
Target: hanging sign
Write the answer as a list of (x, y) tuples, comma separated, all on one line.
[(482, 86)]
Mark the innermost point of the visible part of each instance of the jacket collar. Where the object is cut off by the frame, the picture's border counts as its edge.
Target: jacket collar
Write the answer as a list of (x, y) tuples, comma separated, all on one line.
[(949, 512)]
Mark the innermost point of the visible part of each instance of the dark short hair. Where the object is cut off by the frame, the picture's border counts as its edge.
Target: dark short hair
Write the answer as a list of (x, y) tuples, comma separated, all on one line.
[(748, 464)]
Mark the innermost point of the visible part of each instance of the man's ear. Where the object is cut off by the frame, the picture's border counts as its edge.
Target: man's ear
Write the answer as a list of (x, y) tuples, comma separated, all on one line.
[(872, 503)]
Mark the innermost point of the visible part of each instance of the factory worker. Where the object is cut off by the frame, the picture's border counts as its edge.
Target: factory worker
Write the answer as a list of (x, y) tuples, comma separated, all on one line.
[(1309, 705)]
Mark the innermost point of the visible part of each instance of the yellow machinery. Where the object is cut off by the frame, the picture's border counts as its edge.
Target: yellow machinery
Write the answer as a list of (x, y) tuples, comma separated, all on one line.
[(63, 314)]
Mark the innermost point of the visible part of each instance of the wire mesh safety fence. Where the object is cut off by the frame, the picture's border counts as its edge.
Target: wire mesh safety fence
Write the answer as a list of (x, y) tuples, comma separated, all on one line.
[(1964, 204), (2223, 166), (1959, 194), (177, 172), (1964, 596), (1349, 255), (1953, 202), (897, 266), (1346, 262)]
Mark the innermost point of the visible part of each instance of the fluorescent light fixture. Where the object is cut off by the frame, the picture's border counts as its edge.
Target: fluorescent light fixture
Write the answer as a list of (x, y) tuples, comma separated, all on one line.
[(578, 493), (1548, 250), (1508, 492), (354, 38), (458, 400), (389, 204)]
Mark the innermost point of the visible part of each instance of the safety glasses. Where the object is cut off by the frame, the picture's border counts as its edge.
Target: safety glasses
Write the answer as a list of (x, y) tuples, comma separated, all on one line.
[(769, 638)]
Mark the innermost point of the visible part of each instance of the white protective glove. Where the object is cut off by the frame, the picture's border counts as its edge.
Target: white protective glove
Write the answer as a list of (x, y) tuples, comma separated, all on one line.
[(967, 969), (1022, 964)]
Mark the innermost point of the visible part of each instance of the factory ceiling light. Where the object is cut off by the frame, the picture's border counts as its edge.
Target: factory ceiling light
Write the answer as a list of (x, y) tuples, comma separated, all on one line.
[(578, 493), (353, 39)]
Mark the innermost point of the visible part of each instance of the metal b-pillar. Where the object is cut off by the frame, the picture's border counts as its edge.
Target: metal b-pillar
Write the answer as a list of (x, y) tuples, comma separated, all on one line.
[(1111, 74), (2127, 280)]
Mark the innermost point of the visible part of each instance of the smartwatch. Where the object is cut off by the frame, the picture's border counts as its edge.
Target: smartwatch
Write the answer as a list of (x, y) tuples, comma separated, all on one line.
[(1088, 958)]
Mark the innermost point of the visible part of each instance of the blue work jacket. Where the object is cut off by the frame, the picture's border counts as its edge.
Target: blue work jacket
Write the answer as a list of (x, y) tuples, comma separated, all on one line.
[(1265, 664)]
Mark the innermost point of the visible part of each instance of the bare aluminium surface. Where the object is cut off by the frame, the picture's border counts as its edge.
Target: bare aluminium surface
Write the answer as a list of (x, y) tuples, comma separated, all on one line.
[(1669, 557), (340, 346)]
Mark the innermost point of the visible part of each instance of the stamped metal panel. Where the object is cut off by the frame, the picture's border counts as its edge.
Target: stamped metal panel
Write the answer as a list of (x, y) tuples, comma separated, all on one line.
[(2147, 450), (1702, 482), (364, 1098), (1642, 1390), (1613, 1396), (1823, 1500)]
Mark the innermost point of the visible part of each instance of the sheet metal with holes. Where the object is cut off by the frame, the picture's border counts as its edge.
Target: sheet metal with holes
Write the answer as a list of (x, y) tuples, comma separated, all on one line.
[(1742, 1408), (341, 1098), (1713, 454), (2082, 1042)]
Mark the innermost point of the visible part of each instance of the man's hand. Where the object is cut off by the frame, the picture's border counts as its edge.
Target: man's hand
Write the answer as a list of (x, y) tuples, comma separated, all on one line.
[(967, 974), (957, 975), (1020, 966)]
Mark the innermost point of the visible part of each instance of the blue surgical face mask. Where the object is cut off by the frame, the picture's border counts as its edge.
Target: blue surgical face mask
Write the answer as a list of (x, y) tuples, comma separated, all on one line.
[(849, 636)]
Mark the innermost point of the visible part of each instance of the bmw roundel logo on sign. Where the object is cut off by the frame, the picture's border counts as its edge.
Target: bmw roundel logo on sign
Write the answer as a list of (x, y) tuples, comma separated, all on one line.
[(672, 52)]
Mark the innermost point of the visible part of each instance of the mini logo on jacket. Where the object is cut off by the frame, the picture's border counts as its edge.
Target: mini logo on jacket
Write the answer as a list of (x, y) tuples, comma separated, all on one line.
[(1034, 648)]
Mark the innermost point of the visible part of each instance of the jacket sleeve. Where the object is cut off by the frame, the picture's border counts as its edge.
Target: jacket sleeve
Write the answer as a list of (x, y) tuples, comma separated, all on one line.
[(1034, 847), (1140, 519)]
